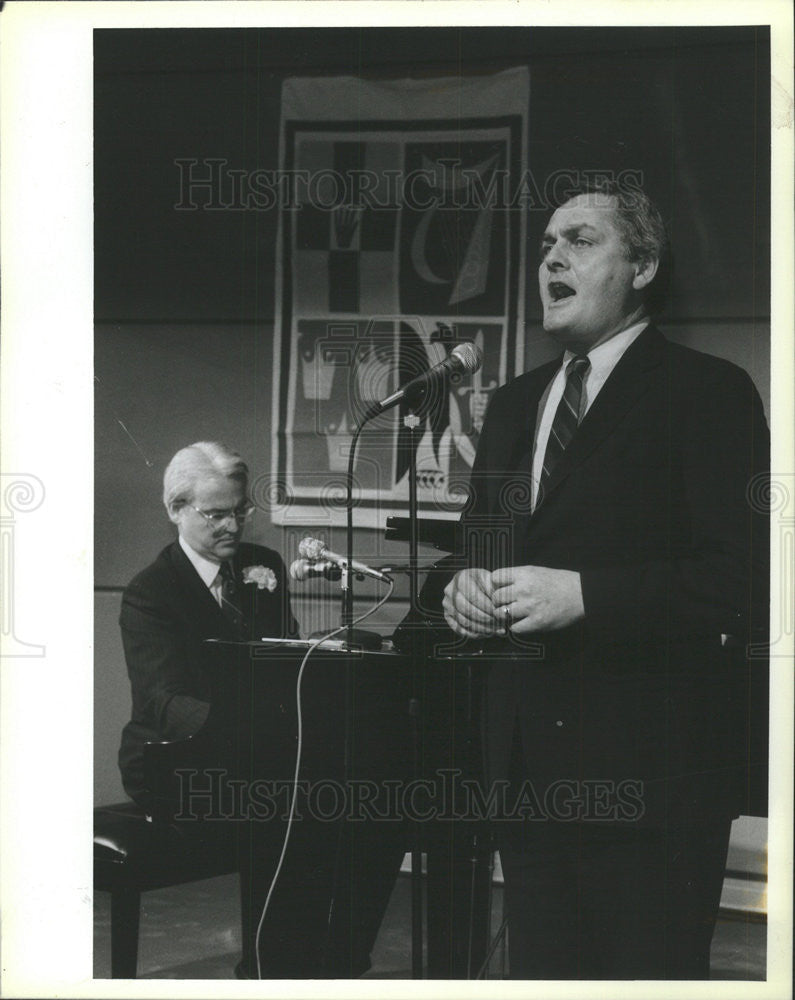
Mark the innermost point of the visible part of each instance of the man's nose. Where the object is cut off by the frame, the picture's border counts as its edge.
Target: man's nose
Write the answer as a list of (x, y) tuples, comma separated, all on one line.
[(555, 257), (231, 523)]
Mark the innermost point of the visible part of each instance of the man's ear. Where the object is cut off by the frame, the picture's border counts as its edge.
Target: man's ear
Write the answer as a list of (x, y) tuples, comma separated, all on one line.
[(173, 513), (644, 272)]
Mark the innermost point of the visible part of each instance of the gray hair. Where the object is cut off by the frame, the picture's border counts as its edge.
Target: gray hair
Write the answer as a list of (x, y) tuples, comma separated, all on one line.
[(202, 460), (642, 230)]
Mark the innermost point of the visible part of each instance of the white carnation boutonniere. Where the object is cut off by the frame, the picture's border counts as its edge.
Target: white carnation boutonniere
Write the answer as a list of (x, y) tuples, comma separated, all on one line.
[(263, 576)]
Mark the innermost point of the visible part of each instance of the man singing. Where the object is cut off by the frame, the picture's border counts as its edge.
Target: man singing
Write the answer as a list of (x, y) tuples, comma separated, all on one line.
[(634, 570)]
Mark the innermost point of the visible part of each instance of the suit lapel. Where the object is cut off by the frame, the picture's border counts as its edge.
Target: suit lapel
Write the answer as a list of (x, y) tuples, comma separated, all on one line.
[(248, 592), (519, 435), (628, 381)]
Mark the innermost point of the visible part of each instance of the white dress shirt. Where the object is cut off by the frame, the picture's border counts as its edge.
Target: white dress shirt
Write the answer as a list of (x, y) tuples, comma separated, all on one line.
[(208, 570), (603, 360)]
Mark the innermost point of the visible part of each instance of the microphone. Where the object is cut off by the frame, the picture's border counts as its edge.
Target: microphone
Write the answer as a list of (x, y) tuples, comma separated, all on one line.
[(465, 358), (303, 569), (314, 549)]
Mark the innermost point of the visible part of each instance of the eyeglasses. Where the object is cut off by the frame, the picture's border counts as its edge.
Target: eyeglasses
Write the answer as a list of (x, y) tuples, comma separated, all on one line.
[(216, 518)]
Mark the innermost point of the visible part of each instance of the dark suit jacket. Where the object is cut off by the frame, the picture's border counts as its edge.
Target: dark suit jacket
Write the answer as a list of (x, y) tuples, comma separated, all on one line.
[(167, 612), (650, 503)]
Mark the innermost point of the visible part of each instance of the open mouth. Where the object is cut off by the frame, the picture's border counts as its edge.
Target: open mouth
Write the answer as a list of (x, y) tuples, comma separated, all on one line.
[(559, 291)]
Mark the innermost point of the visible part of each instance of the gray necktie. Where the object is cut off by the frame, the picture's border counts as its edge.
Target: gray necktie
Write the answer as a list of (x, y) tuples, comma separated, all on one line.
[(567, 418), (229, 597)]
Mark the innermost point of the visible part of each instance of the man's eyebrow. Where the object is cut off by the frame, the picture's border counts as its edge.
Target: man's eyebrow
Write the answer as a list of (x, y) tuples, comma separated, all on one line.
[(573, 230)]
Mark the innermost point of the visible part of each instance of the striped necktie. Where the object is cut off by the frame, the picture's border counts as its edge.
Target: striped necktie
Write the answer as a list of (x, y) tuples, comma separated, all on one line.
[(567, 418), (229, 598)]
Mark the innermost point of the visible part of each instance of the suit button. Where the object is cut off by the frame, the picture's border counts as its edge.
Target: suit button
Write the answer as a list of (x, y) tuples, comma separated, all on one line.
[(559, 722)]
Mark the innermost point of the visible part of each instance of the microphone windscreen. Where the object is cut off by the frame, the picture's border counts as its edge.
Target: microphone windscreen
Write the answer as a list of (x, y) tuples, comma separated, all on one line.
[(469, 356), (298, 569), (311, 548)]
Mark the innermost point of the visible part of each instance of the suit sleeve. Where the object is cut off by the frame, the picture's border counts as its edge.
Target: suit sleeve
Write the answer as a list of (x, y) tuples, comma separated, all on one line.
[(163, 678), (718, 581)]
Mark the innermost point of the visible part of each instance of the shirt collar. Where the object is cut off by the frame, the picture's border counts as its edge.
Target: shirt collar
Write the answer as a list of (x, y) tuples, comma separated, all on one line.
[(606, 356), (206, 568)]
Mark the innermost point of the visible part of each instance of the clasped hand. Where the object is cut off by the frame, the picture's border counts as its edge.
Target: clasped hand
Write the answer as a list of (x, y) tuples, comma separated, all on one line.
[(477, 602)]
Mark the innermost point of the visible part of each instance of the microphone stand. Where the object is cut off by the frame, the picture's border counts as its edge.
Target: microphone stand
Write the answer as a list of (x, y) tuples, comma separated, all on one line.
[(347, 576), (347, 618), (412, 395), (411, 422)]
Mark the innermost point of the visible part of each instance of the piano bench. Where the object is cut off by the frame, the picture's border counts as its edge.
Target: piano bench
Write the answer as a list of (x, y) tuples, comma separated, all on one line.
[(133, 855)]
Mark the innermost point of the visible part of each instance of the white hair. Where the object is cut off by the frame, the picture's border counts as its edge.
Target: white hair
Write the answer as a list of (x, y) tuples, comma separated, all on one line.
[(200, 461)]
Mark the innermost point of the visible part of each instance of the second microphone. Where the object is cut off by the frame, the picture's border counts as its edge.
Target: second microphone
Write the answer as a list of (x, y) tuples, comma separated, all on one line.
[(314, 550)]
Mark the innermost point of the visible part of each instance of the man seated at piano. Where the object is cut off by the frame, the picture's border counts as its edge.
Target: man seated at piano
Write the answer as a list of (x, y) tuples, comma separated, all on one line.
[(207, 584)]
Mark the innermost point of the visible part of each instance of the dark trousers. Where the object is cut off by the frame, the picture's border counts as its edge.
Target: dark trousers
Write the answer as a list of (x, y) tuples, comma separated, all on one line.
[(586, 901)]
